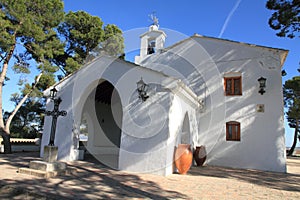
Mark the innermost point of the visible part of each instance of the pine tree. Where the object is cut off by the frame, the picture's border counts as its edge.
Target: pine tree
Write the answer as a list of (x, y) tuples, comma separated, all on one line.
[(291, 92), (39, 34), (29, 27), (85, 38), (286, 17)]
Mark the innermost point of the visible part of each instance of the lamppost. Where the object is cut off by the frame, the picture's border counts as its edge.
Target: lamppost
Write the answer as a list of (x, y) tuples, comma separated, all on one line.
[(55, 113)]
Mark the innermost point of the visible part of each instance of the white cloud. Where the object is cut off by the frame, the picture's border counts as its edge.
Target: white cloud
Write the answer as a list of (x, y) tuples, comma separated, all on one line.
[(236, 5)]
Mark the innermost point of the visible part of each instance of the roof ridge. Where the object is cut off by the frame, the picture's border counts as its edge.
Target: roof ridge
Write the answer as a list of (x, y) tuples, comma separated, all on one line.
[(234, 41)]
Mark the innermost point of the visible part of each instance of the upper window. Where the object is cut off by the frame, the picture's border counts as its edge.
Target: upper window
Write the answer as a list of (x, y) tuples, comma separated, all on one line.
[(233, 131), (233, 85)]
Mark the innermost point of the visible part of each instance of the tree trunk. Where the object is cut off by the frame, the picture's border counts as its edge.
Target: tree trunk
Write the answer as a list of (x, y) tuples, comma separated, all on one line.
[(291, 151), (3, 131), (6, 142), (6, 132)]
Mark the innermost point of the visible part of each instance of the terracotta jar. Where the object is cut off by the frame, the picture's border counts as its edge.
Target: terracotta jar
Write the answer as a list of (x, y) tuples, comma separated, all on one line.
[(183, 158), (200, 155)]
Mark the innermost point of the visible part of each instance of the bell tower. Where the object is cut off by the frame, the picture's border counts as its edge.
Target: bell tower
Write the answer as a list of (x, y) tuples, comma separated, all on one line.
[(151, 42)]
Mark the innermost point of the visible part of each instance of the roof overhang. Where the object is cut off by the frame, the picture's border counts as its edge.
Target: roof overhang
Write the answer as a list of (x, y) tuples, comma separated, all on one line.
[(186, 94)]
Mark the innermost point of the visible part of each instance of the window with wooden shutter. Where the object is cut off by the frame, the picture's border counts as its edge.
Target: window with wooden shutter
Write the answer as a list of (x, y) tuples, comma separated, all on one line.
[(233, 86), (233, 131)]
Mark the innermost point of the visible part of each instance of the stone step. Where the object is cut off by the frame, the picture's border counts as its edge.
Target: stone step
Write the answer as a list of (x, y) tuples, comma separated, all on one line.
[(38, 173), (46, 174), (46, 166)]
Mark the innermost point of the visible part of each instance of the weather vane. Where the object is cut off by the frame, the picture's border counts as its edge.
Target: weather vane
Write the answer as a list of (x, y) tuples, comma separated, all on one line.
[(153, 18)]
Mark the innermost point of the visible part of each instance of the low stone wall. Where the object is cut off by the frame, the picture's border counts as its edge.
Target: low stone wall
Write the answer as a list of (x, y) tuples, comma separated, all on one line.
[(22, 145)]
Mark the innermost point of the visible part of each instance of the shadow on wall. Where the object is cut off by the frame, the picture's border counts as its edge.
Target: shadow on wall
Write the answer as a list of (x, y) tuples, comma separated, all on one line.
[(258, 147), (145, 134), (146, 123)]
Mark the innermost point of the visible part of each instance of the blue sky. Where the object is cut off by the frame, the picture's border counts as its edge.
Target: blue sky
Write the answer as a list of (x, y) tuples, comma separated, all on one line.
[(238, 20)]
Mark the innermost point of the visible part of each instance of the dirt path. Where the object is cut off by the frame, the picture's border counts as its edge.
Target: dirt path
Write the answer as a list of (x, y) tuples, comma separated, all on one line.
[(94, 181)]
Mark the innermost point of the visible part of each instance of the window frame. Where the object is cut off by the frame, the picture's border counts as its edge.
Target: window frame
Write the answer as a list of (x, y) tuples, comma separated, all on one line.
[(232, 87), (235, 136)]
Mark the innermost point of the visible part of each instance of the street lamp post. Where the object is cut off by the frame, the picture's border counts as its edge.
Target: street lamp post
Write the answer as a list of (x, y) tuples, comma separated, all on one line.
[(55, 113)]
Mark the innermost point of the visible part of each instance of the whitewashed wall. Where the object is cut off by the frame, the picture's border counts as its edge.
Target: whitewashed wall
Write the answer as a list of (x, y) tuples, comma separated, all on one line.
[(145, 125), (183, 127), (152, 129), (201, 63)]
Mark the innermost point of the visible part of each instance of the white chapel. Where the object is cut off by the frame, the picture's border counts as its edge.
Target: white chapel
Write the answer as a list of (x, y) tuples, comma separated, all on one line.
[(202, 91)]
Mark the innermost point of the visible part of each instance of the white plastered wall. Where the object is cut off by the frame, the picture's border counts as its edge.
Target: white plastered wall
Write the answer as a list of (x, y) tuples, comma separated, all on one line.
[(179, 111), (202, 63), (145, 125)]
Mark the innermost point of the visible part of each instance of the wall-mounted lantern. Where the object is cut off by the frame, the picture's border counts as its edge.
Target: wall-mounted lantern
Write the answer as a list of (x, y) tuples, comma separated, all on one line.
[(262, 85), (142, 89), (53, 93)]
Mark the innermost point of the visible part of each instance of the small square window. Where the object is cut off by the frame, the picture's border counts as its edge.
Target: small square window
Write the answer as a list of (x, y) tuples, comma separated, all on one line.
[(233, 86), (233, 131)]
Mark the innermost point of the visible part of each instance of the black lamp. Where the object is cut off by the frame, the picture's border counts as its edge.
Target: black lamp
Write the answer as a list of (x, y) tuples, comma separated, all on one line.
[(142, 89), (262, 85), (53, 93)]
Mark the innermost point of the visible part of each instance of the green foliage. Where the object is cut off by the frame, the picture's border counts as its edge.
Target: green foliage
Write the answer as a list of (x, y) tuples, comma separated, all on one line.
[(29, 26), (21, 65), (81, 32), (85, 38), (291, 93), (38, 34), (28, 121), (46, 81), (286, 17), (113, 43), (30, 23), (72, 64)]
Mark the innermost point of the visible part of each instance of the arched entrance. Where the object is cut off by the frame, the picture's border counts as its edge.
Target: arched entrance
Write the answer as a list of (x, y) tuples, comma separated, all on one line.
[(104, 108), (109, 112)]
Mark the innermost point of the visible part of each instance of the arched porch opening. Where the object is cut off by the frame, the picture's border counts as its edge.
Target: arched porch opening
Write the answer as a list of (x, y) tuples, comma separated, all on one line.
[(104, 123)]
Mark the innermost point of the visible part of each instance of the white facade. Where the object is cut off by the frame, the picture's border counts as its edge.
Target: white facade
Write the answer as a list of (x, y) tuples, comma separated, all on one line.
[(202, 63), (186, 104), (144, 127)]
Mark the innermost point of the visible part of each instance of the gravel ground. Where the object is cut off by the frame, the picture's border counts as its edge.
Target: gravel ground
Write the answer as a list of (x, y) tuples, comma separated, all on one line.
[(95, 181)]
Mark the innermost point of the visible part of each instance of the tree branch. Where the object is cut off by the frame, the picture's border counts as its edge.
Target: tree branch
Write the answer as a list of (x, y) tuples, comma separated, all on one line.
[(3, 57), (2, 79), (11, 116)]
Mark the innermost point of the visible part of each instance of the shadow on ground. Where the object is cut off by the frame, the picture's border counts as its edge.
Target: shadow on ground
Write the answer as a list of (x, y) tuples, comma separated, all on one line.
[(92, 181), (279, 181)]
